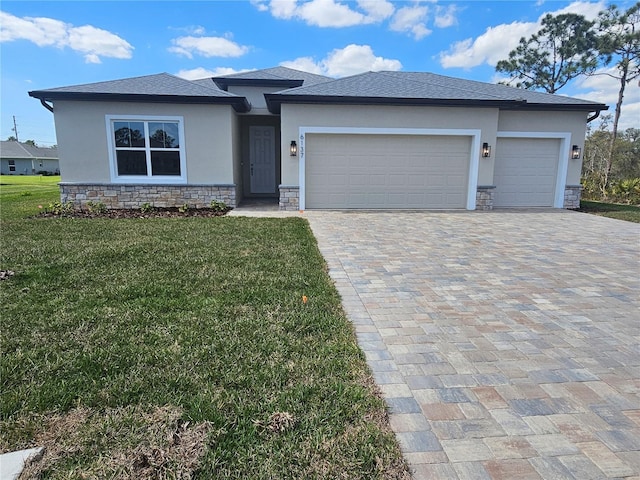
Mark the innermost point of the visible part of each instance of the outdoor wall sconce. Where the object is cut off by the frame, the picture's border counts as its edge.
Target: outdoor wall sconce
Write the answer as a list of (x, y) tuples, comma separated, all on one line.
[(575, 152), (486, 150), (293, 148)]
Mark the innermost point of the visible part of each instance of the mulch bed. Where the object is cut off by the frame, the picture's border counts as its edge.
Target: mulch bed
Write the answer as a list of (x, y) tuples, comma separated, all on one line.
[(172, 212)]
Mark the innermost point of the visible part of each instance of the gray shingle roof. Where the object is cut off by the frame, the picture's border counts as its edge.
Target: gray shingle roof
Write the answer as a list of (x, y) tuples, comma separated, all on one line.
[(279, 73), (161, 87), (422, 89), (12, 149), (207, 82)]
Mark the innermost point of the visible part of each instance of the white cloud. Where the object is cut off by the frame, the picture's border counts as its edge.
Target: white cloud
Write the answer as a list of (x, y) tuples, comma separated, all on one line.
[(284, 9), (412, 20), (602, 88), (260, 5), (91, 41), (590, 10), (305, 64), (377, 10), (327, 13), (497, 41), (446, 17), (349, 60), (207, 47), (355, 59), (201, 72), (490, 47)]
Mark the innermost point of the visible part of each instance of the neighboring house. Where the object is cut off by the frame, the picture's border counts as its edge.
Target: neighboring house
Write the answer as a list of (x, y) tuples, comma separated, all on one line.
[(378, 140), (24, 159)]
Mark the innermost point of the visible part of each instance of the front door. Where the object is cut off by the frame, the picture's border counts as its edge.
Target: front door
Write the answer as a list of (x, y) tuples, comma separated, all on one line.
[(262, 159)]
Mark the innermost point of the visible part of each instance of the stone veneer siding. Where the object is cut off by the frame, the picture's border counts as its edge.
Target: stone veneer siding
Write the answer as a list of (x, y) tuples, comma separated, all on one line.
[(484, 197), (289, 197), (572, 195), (133, 196)]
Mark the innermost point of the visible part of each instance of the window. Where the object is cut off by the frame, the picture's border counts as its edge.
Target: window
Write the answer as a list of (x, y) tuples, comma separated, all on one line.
[(147, 149), (12, 165)]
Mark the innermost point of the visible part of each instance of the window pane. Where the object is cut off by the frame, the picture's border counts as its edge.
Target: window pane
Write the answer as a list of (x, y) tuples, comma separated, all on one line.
[(129, 134), (163, 135), (131, 162), (165, 163)]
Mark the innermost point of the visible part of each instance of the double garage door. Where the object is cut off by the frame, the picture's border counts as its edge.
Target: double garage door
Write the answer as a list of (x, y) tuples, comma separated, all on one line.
[(345, 171), (386, 171)]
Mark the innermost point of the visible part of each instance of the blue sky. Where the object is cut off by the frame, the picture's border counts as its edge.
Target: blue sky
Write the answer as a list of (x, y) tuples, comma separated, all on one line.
[(51, 43)]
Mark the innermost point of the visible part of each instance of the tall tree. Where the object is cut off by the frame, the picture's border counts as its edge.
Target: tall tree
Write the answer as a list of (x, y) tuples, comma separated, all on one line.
[(619, 41), (561, 50)]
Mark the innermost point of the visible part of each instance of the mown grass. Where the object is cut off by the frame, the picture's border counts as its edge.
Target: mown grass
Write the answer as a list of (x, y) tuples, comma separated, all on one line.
[(20, 195), (107, 321), (630, 213)]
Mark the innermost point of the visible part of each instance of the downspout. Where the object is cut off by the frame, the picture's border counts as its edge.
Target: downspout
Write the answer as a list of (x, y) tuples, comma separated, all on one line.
[(591, 118), (46, 105)]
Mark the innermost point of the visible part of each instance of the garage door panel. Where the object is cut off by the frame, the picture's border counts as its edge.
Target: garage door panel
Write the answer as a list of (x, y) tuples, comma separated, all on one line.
[(525, 172), (386, 171)]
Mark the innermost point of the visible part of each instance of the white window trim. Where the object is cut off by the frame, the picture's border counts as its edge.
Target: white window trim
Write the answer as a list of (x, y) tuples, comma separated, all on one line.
[(474, 155), (563, 158), (150, 179)]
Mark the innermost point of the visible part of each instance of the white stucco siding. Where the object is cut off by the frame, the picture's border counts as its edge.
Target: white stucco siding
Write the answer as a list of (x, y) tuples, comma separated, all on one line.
[(375, 116), (237, 155), (553, 122), (83, 144)]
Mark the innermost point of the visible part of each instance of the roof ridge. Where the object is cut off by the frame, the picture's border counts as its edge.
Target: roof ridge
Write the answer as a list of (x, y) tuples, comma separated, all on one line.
[(500, 97), (199, 85), (25, 150), (332, 80)]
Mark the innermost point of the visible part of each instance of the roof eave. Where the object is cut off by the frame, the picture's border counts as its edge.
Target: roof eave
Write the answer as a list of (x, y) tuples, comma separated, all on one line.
[(239, 104), (275, 100), (576, 107)]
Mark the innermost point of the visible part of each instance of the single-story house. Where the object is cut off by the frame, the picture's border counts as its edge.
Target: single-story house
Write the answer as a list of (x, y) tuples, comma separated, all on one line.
[(377, 140), (24, 159)]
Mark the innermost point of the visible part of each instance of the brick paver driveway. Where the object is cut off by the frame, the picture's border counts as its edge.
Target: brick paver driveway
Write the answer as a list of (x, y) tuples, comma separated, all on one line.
[(506, 344)]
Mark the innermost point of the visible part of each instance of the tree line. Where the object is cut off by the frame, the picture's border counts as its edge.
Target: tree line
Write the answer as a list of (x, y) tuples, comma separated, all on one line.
[(568, 46)]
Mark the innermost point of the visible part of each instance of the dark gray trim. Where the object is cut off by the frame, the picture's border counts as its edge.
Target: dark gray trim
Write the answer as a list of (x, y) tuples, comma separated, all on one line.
[(486, 187), (46, 105), (116, 184), (239, 104), (275, 100), (223, 82)]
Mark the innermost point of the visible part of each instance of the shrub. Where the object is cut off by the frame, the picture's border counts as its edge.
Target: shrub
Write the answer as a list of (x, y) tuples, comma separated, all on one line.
[(218, 206), (183, 208), (96, 207), (146, 207), (59, 208), (626, 191), (618, 191)]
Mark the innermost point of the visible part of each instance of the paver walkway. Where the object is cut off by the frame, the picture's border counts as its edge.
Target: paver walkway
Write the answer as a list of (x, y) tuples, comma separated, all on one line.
[(506, 343)]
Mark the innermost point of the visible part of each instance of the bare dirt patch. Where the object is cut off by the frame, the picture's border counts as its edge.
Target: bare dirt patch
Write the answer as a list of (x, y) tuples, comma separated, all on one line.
[(120, 443)]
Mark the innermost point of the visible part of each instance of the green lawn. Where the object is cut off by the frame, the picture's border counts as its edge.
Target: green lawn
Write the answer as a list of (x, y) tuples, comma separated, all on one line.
[(630, 213), (20, 195), (158, 348)]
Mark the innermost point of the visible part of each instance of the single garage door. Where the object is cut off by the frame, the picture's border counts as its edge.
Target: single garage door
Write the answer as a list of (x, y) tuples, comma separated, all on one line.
[(386, 171), (525, 172)]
